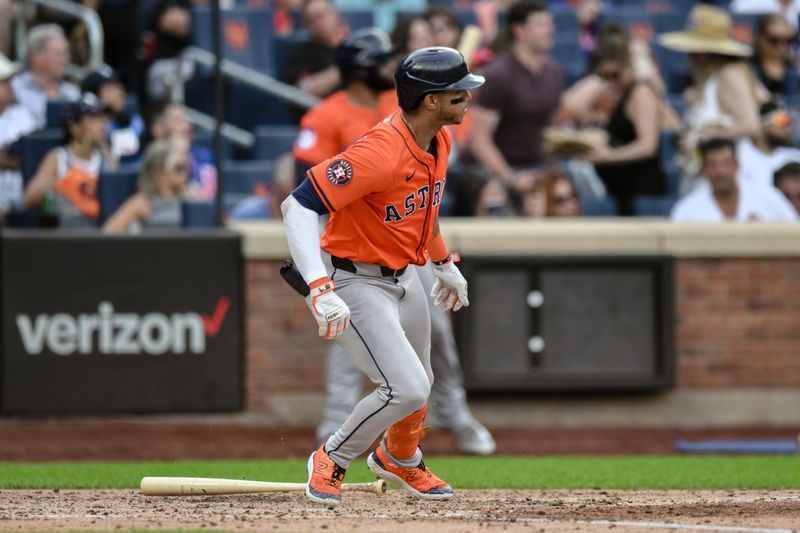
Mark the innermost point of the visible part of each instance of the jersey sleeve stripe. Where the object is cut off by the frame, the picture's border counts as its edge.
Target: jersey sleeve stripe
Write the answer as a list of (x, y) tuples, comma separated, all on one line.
[(319, 190)]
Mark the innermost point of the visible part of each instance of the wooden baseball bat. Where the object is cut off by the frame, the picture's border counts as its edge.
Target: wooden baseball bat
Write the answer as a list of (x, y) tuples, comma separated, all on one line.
[(195, 486)]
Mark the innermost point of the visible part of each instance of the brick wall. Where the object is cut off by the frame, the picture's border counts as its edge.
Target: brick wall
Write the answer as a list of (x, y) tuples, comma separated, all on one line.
[(737, 322), (737, 326)]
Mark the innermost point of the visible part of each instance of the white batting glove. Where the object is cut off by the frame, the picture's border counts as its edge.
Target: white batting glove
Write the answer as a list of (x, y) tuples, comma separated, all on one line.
[(330, 311), (450, 287)]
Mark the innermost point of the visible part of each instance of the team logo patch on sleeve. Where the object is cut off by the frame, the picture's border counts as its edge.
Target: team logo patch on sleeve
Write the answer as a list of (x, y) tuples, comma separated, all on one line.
[(340, 172)]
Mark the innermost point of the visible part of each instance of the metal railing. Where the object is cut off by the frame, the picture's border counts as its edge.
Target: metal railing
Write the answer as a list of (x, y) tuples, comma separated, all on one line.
[(94, 31), (248, 76)]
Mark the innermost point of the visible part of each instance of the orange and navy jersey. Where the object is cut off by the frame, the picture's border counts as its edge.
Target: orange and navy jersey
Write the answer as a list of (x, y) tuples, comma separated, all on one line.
[(337, 123), (383, 194)]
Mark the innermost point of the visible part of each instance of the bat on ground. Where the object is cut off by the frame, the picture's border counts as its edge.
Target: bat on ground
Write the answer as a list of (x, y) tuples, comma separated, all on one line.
[(198, 486)]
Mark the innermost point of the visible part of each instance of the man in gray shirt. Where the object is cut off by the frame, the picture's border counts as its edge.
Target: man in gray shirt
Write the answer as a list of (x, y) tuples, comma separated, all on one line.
[(522, 92), (48, 57)]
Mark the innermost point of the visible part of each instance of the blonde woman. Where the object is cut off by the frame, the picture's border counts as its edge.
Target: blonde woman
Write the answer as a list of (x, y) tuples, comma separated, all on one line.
[(163, 180), (725, 95)]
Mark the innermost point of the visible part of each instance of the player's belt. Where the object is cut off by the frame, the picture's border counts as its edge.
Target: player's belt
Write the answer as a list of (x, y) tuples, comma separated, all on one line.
[(349, 266)]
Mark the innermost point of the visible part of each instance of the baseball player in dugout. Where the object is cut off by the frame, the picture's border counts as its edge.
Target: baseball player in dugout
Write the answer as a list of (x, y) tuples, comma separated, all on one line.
[(367, 64), (383, 194)]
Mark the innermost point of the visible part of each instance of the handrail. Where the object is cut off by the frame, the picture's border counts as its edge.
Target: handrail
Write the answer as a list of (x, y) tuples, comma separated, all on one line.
[(207, 122), (94, 29), (243, 74)]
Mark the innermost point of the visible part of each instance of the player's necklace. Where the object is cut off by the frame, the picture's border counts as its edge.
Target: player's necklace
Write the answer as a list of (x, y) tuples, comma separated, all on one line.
[(414, 133)]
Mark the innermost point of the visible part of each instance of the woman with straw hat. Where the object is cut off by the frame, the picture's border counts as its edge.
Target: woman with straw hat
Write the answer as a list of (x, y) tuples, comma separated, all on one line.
[(724, 96)]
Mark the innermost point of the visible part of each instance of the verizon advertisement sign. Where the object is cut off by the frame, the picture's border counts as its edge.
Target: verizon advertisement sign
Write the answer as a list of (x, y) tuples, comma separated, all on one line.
[(149, 324), (109, 332)]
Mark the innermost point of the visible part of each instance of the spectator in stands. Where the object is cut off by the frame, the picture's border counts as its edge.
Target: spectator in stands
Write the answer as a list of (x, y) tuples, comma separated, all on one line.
[(15, 122), (630, 164), (724, 97), (772, 59), (412, 33), (170, 121), (68, 174), (171, 30), (787, 180), (522, 91), (163, 180), (312, 64), (553, 196), (477, 195), (720, 196), (384, 11), (446, 27), (788, 9), (121, 34), (772, 147), (48, 57), (8, 10), (126, 128)]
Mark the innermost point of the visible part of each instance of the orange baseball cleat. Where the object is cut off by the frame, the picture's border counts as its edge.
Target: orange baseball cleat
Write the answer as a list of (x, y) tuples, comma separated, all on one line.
[(419, 480), (324, 478)]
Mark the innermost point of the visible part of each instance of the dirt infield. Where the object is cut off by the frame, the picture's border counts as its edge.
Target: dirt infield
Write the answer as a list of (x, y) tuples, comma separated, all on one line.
[(470, 510)]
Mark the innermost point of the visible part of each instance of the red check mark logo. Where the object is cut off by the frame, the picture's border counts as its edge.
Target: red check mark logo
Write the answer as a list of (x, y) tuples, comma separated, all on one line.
[(212, 323)]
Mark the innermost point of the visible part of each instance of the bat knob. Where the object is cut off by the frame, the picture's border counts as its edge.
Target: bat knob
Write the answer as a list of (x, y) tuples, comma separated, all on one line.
[(382, 485)]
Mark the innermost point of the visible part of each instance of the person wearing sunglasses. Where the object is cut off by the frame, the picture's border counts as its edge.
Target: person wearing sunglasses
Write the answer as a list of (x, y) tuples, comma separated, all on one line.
[(772, 55), (629, 164), (553, 196), (163, 181), (787, 180)]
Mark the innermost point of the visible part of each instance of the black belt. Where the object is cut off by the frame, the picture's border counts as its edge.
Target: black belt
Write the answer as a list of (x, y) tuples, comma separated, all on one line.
[(348, 266)]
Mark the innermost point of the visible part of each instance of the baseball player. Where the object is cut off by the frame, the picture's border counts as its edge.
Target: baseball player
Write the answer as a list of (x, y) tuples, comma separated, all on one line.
[(366, 68), (383, 195)]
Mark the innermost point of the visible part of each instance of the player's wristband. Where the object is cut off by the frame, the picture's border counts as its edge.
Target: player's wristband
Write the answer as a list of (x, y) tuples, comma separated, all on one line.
[(437, 250)]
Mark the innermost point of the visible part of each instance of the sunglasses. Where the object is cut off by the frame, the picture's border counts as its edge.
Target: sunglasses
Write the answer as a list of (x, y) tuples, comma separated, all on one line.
[(776, 41), (565, 199), (180, 167), (609, 75)]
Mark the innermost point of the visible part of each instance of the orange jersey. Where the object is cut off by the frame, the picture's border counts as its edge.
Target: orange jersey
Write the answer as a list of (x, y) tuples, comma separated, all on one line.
[(337, 123), (383, 194)]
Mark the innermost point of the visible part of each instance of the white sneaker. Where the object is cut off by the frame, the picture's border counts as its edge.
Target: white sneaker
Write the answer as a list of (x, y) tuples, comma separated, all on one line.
[(475, 438)]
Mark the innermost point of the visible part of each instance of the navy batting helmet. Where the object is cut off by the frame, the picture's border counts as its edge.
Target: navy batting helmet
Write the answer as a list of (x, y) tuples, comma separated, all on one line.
[(431, 70), (362, 54)]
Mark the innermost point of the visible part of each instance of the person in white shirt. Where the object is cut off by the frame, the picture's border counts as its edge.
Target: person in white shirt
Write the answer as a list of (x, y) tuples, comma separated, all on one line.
[(788, 8), (15, 122), (721, 196), (48, 57), (770, 149)]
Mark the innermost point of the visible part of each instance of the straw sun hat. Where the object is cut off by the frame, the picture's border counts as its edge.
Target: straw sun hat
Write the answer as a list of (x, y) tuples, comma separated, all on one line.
[(7, 68), (709, 32)]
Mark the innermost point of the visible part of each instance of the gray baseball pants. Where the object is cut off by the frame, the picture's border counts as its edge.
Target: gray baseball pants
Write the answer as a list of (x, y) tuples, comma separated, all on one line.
[(448, 400), (389, 341)]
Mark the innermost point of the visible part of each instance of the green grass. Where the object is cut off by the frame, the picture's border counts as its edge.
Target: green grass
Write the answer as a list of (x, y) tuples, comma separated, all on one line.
[(671, 472)]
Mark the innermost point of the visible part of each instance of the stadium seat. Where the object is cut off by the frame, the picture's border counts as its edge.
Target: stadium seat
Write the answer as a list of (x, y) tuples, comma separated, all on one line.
[(572, 59), (113, 188), (33, 148), (283, 46), (599, 207), (246, 32), (274, 141), (744, 27), (653, 206), (358, 19), (565, 22), (246, 177), (674, 67), (55, 113), (669, 150), (205, 138), (639, 22), (198, 214)]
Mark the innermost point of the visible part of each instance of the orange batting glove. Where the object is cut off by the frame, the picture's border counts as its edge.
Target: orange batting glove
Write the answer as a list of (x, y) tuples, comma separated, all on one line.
[(330, 311)]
